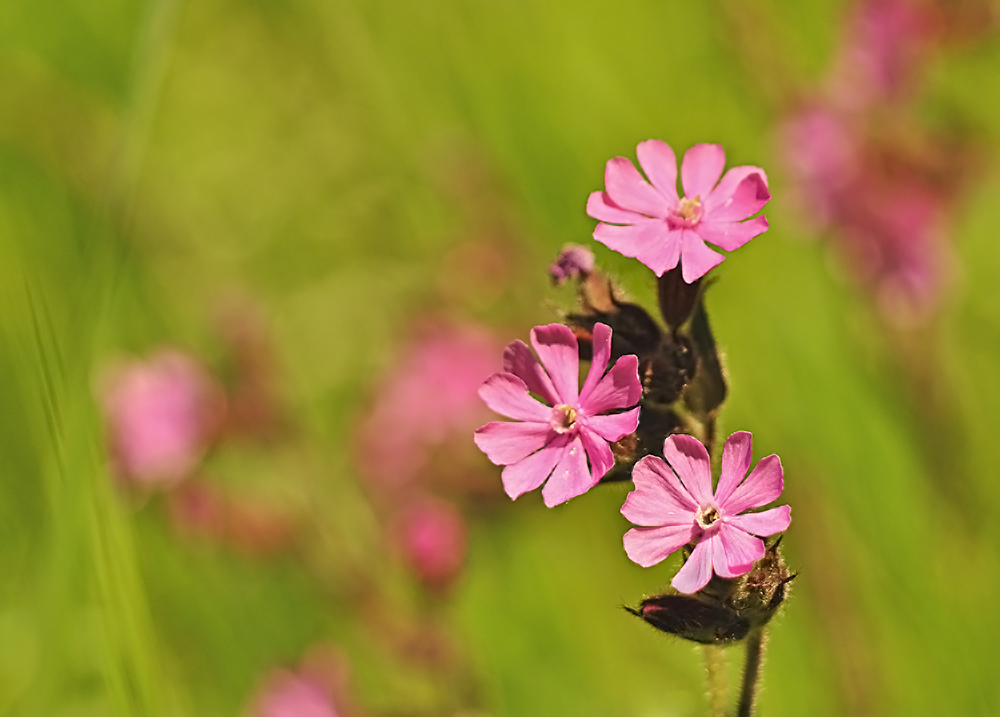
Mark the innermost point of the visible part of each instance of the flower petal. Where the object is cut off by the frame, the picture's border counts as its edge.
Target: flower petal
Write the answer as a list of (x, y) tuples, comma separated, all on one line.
[(508, 395), (734, 552), (599, 453), (558, 350), (736, 457), (701, 169), (601, 206), (727, 186), (505, 443), (697, 571), (689, 460), (629, 190), (599, 363), (619, 388), (659, 163), (731, 235), (767, 522), (571, 476), (614, 426), (649, 546), (650, 241), (518, 360), (696, 258), (762, 486), (659, 497), (529, 473), (748, 198)]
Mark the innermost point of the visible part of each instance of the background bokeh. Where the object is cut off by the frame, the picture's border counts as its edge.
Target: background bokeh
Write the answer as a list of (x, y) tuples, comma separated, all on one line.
[(293, 191)]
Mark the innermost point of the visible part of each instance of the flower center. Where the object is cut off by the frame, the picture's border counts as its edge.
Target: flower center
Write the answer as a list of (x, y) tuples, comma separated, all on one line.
[(707, 515), (563, 418), (689, 209)]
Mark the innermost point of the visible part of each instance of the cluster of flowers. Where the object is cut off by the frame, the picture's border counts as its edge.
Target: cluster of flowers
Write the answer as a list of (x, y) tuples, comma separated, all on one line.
[(633, 419), (864, 167)]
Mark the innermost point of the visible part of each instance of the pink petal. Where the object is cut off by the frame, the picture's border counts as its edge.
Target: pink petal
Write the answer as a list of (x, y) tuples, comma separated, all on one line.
[(767, 522), (660, 165), (601, 206), (619, 388), (599, 453), (747, 199), (505, 443), (762, 486), (736, 457), (529, 473), (697, 571), (734, 552), (599, 363), (727, 186), (701, 169), (689, 460), (558, 350), (659, 498), (506, 394), (615, 426), (650, 241), (518, 360), (648, 546), (629, 190), (571, 476), (731, 235), (696, 258)]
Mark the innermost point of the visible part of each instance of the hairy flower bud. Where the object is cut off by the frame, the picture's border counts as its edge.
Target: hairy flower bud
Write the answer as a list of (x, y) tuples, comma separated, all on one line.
[(724, 611)]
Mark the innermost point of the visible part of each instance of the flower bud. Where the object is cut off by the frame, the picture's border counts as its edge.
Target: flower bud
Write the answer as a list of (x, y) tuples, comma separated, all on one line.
[(724, 611)]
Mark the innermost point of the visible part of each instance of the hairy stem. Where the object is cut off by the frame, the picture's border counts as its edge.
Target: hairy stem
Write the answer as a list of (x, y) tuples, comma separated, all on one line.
[(715, 668), (751, 673)]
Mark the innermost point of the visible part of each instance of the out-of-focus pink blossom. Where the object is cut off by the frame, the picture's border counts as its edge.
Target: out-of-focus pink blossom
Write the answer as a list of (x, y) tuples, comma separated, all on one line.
[(661, 229), (884, 44), (161, 415), (821, 150), (432, 536), (573, 261), (573, 425), (431, 395), (289, 694), (673, 500)]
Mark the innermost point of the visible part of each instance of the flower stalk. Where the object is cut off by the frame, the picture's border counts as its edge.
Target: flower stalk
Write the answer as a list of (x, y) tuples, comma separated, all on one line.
[(751, 673), (715, 671)]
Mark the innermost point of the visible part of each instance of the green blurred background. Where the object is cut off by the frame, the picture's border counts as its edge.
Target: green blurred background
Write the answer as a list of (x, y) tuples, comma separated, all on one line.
[(325, 161)]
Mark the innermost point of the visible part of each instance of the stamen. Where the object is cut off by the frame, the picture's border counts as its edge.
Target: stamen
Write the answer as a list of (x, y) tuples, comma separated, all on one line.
[(563, 418), (689, 208), (708, 515)]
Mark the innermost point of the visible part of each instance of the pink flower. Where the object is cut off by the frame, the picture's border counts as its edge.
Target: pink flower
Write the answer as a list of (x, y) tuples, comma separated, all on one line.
[(432, 537), (660, 229), (292, 695), (574, 260), (573, 425), (429, 397), (161, 415), (676, 506)]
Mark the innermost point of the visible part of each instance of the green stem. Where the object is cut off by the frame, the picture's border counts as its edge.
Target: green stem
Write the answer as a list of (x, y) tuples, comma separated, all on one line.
[(751, 673), (715, 667)]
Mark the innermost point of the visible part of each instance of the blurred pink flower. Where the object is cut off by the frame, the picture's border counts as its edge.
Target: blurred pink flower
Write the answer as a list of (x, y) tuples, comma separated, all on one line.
[(431, 535), (557, 437), (573, 261), (430, 396), (676, 506), (885, 41), (821, 151), (161, 415), (660, 229), (289, 694)]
